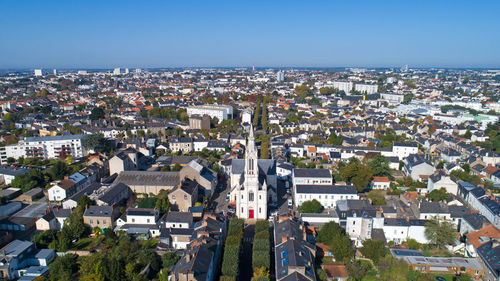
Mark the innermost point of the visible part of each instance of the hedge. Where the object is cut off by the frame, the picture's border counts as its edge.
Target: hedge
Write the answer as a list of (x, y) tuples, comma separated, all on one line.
[(262, 278), (230, 263), (261, 248), (227, 278), (262, 225)]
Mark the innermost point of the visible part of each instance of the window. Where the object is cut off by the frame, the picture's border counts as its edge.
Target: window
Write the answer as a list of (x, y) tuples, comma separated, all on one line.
[(250, 196), (185, 197), (104, 222), (97, 221), (242, 210), (133, 220), (91, 221), (173, 196), (260, 210), (353, 222), (148, 220)]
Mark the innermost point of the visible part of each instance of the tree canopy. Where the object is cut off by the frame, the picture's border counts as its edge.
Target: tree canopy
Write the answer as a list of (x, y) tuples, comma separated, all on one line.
[(440, 233), (312, 206)]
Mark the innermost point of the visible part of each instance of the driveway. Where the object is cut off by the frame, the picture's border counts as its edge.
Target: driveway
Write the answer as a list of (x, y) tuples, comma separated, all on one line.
[(246, 271)]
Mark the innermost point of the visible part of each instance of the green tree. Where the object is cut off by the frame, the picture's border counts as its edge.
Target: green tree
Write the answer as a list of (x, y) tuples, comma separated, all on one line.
[(169, 259), (335, 139), (95, 142), (59, 170), (440, 233), (64, 268), (256, 115), (377, 197), (357, 269), (437, 195), (32, 179), (264, 148), (96, 113), (312, 206), (358, 174), (373, 249), (380, 166), (263, 120)]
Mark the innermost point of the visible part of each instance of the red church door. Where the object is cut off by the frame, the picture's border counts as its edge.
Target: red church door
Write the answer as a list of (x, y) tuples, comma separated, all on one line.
[(250, 214)]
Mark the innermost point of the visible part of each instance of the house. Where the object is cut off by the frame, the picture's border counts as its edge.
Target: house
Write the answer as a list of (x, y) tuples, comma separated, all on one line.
[(47, 221), (403, 150), (440, 180), (7, 174), (429, 210), (62, 190), (335, 272), (311, 177), (140, 222), (19, 256), (380, 183), (294, 255), (179, 220), (417, 167), (182, 144), (327, 195), (30, 196), (489, 254), (100, 216), (114, 195), (185, 195), (442, 265), (195, 170), (72, 201), (121, 162), (199, 263), (147, 182)]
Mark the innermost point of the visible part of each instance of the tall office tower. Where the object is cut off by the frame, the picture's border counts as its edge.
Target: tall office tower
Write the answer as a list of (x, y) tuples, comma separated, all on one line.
[(280, 76), (54, 72), (116, 71), (38, 72), (126, 70), (138, 70)]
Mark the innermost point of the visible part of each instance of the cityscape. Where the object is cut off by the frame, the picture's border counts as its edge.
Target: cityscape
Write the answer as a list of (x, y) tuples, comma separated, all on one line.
[(203, 162)]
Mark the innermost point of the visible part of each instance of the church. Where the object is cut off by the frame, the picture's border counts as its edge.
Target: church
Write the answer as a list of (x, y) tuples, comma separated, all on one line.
[(253, 182)]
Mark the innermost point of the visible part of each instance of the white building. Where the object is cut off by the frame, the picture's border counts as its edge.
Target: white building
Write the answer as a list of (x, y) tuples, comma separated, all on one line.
[(38, 72), (251, 195), (366, 88), (403, 150), (48, 147), (327, 195), (139, 221), (222, 112), (392, 98), (116, 71), (343, 86), (246, 116), (280, 76), (312, 177)]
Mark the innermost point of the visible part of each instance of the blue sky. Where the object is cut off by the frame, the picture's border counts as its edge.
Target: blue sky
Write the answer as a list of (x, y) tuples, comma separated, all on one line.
[(107, 34)]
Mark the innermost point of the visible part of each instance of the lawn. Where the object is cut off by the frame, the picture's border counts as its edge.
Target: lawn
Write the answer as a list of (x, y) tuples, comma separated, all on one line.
[(88, 243), (449, 277)]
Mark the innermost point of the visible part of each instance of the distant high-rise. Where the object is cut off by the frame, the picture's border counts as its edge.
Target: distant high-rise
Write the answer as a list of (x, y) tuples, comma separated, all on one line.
[(138, 70), (280, 76), (54, 72), (404, 68), (38, 72), (116, 71), (82, 72), (126, 70)]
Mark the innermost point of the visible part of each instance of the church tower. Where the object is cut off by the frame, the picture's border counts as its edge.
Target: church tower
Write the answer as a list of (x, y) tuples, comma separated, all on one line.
[(251, 202)]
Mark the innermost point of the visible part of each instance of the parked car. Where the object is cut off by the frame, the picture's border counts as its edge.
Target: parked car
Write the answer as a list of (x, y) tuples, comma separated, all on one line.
[(227, 197), (290, 203)]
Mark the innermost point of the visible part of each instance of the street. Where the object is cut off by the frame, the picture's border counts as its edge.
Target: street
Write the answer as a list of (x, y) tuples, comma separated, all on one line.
[(246, 270)]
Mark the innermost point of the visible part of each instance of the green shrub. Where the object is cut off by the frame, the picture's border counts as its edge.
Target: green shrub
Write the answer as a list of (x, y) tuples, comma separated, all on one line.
[(262, 225), (227, 278), (262, 235), (261, 258)]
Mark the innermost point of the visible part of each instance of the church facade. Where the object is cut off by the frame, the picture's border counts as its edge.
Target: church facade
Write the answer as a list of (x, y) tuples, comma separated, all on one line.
[(253, 183)]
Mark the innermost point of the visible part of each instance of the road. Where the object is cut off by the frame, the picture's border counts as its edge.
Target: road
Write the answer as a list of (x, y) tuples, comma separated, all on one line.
[(246, 270), (283, 198)]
